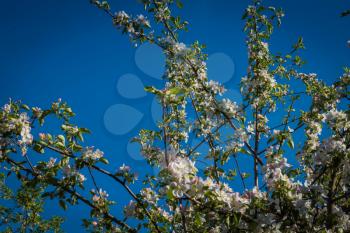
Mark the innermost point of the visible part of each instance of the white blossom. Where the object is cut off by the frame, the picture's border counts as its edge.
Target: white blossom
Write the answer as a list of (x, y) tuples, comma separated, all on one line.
[(92, 154), (124, 168), (51, 163), (229, 107), (130, 209)]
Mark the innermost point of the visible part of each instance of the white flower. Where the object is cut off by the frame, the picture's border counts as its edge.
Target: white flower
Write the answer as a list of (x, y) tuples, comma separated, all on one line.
[(229, 107), (251, 128), (313, 130), (180, 49), (240, 136), (265, 45), (327, 148), (99, 195), (81, 178), (149, 195), (268, 77), (182, 168), (276, 132), (202, 76), (89, 153), (124, 169), (51, 163), (336, 119), (7, 108), (177, 193), (142, 20), (215, 87), (274, 171), (122, 15), (26, 136), (256, 193), (171, 154), (130, 209)]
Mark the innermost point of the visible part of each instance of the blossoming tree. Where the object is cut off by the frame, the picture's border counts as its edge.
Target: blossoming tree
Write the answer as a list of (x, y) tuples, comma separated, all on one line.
[(310, 197)]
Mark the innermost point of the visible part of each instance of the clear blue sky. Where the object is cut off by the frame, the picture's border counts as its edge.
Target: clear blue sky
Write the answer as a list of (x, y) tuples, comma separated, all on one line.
[(70, 50)]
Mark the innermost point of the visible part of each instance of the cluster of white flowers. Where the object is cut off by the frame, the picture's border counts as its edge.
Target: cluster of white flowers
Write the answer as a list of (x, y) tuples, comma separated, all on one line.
[(180, 49), (183, 169), (134, 26), (99, 196), (166, 215), (149, 195), (37, 111), (273, 171), (69, 172), (180, 196), (206, 125), (202, 75), (26, 136), (7, 108), (183, 135), (313, 131), (267, 78), (130, 209), (162, 14), (239, 138), (329, 146), (215, 87), (229, 107), (253, 52), (91, 154), (223, 193), (122, 16), (337, 119), (251, 127), (141, 19)]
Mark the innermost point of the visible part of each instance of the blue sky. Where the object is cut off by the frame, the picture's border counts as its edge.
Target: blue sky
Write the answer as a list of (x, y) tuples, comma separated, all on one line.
[(70, 50)]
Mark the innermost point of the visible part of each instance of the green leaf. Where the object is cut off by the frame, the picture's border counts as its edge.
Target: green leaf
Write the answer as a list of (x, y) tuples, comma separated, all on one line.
[(105, 5), (104, 160), (153, 90), (38, 148), (61, 138), (76, 148), (290, 143), (85, 130), (80, 136), (179, 4), (176, 91), (60, 145), (24, 106), (244, 151)]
